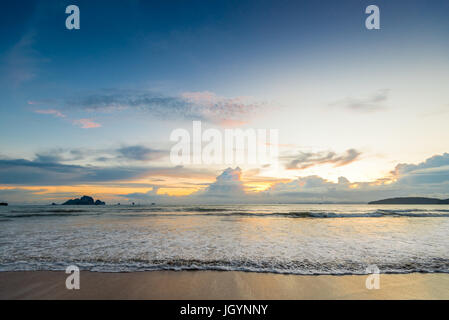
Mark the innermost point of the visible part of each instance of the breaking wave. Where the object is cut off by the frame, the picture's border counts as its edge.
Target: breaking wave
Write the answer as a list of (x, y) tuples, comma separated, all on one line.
[(304, 267), (221, 212)]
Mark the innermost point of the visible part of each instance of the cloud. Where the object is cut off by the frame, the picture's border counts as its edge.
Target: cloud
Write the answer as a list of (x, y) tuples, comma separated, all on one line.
[(206, 106), (21, 60), (149, 196), (140, 153), (26, 172), (86, 123), (308, 159), (46, 169), (228, 111), (227, 184), (46, 158), (316, 189), (227, 188), (58, 155), (429, 178), (434, 170), (111, 155), (374, 102), (54, 112)]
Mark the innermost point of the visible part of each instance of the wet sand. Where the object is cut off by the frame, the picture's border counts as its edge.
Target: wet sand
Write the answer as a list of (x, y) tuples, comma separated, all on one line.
[(218, 285)]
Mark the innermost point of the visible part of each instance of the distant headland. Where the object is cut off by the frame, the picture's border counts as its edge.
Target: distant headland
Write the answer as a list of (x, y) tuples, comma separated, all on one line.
[(411, 200), (84, 201)]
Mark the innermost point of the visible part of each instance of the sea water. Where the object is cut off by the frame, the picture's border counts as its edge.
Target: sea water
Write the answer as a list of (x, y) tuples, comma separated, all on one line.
[(294, 239)]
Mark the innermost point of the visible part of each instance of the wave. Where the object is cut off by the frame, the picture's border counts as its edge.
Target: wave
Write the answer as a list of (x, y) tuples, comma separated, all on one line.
[(51, 211), (374, 214), (55, 213), (305, 267), (221, 212), (200, 209), (293, 214)]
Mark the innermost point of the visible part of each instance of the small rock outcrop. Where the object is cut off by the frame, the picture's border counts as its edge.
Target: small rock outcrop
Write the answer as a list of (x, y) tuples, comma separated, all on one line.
[(83, 201)]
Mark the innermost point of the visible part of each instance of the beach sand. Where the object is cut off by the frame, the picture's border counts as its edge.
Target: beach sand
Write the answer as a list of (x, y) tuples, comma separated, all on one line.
[(218, 285)]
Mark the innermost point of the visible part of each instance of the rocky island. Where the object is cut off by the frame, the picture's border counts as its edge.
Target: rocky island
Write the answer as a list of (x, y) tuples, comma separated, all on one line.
[(84, 201), (411, 200)]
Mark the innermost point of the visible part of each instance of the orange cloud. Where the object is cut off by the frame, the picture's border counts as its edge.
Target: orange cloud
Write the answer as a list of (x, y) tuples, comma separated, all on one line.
[(54, 112), (86, 123)]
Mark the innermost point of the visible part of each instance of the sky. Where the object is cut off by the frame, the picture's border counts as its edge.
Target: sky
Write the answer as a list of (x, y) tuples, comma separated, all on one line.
[(361, 114)]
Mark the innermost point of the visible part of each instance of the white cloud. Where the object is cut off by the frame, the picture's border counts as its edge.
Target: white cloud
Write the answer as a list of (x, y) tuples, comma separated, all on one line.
[(373, 102)]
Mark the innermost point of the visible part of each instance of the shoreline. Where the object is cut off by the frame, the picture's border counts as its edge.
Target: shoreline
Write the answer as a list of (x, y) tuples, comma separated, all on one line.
[(219, 285)]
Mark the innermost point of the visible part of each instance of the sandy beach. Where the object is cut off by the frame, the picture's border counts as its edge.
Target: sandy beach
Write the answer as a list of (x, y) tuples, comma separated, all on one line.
[(219, 285)]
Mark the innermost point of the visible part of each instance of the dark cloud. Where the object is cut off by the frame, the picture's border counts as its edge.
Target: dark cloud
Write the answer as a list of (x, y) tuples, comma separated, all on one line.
[(48, 158), (140, 153), (309, 159), (58, 155), (204, 106), (434, 170), (160, 105), (124, 153), (26, 172)]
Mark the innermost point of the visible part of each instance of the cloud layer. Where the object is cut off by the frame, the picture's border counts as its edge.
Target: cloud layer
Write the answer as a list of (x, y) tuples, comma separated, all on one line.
[(206, 106), (308, 159), (429, 178)]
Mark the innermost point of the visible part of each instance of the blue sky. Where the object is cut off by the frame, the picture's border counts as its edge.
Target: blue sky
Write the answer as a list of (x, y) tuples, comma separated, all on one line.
[(134, 70)]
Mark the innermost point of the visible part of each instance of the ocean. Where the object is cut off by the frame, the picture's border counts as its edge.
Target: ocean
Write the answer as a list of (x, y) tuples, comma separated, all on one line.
[(292, 239)]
